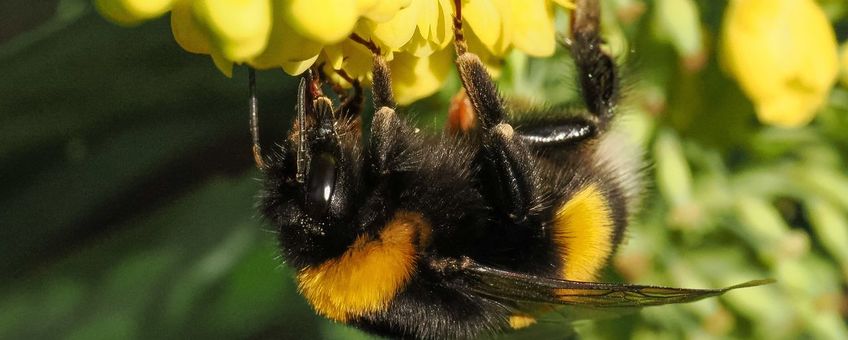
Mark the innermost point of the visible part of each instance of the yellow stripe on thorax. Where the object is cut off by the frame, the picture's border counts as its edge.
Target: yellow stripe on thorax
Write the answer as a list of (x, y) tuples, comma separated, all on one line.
[(369, 274), (583, 229)]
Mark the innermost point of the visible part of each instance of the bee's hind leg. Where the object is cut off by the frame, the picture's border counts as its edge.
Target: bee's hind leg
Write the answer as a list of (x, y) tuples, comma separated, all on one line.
[(599, 88), (597, 72)]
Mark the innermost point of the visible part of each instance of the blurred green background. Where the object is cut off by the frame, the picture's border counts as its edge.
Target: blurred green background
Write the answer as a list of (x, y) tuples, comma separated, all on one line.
[(128, 188)]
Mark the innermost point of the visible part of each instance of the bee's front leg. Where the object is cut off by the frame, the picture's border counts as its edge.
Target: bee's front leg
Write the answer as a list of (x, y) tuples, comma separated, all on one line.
[(351, 106)]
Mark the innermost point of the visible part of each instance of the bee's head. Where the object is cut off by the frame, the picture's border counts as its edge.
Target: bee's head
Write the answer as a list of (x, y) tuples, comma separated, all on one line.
[(311, 184)]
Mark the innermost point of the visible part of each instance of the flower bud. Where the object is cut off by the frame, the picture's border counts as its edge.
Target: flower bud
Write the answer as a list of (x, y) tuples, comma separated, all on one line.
[(783, 54)]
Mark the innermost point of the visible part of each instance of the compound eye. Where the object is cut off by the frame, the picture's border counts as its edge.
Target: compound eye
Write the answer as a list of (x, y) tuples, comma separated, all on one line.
[(320, 185)]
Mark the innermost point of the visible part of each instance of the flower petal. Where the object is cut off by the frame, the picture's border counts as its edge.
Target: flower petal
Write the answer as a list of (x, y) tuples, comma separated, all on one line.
[(285, 45), (442, 33), (569, 4), (789, 110), (358, 61), (428, 16), (188, 33), (350, 56), (240, 28), (396, 32), (414, 78), (532, 27), (130, 12), (334, 55), (492, 63), (223, 64), (324, 21), (419, 46), (485, 21), (366, 5), (297, 67), (382, 10), (435, 28)]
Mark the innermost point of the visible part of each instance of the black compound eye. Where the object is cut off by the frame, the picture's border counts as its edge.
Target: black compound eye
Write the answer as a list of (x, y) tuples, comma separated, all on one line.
[(321, 184)]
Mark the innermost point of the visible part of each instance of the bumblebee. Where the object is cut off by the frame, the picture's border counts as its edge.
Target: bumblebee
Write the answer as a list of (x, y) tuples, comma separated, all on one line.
[(474, 232)]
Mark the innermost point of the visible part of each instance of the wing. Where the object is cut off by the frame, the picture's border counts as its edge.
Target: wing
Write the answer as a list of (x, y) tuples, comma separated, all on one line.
[(510, 286)]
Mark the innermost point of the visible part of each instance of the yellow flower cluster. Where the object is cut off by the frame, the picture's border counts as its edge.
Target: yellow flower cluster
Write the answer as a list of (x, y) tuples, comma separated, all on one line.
[(783, 53), (413, 35)]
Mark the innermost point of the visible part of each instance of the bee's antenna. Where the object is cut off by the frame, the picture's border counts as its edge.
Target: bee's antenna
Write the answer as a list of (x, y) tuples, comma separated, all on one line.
[(253, 105)]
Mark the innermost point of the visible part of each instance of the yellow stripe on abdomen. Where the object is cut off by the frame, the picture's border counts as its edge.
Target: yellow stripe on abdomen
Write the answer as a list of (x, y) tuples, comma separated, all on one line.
[(519, 321), (369, 274), (583, 229)]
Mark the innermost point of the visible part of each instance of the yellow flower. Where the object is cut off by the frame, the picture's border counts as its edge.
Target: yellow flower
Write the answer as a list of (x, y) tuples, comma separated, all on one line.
[(394, 33), (435, 28), (129, 12), (532, 27), (381, 11), (188, 32), (240, 28), (502, 24), (414, 36), (325, 21), (485, 21), (352, 57), (423, 76), (783, 54), (286, 45)]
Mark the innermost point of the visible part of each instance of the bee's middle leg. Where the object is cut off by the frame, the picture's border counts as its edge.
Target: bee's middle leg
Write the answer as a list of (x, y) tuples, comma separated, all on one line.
[(389, 134), (506, 166)]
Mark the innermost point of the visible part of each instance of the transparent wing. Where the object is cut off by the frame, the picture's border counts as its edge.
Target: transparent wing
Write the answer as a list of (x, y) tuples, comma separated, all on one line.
[(510, 286)]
